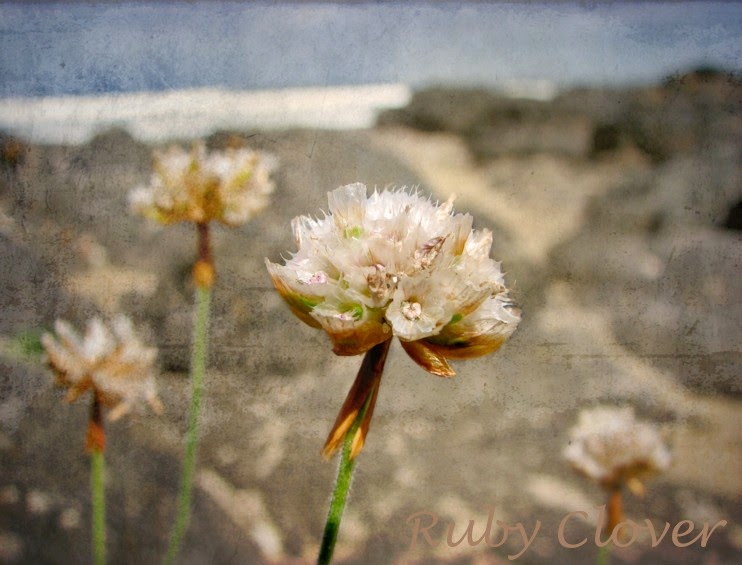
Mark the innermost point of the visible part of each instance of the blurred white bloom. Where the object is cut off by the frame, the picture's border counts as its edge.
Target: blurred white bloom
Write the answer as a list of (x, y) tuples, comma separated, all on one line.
[(610, 446), (227, 186), (396, 264), (114, 364)]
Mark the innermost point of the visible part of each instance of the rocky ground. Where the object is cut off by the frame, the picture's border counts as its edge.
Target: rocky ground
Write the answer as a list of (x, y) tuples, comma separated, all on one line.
[(617, 217)]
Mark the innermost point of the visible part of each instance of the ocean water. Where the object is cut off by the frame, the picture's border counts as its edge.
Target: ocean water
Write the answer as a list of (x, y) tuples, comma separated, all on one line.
[(178, 69), (55, 48)]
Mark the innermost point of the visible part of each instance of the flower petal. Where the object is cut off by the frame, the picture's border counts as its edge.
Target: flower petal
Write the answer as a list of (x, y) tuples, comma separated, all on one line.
[(300, 305), (347, 205)]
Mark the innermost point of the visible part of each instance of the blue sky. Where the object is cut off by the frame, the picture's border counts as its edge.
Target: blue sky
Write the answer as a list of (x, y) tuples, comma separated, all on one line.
[(78, 48)]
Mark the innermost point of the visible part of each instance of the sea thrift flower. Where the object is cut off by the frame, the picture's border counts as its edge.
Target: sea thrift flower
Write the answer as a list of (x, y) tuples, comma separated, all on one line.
[(118, 369), (230, 187), (226, 186), (113, 364), (396, 264), (611, 447)]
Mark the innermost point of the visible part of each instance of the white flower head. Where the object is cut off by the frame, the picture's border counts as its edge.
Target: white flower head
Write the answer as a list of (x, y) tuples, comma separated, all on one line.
[(396, 264), (113, 363), (610, 446), (228, 186)]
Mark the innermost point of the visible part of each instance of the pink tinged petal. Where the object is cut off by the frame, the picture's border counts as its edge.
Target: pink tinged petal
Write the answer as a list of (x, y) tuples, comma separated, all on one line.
[(300, 305), (429, 359), (320, 277), (428, 251)]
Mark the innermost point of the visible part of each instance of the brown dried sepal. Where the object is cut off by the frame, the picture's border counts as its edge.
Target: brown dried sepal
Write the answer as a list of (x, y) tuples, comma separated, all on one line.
[(428, 358), (365, 388)]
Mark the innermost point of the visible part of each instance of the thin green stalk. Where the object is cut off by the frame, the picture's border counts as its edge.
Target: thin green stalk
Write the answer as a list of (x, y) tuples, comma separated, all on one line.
[(198, 370), (340, 493), (604, 555), (97, 468)]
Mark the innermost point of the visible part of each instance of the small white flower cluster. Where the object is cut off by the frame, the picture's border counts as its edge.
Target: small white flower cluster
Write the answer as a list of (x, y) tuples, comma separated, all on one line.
[(227, 186), (395, 263), (611, 446), (114, 364)]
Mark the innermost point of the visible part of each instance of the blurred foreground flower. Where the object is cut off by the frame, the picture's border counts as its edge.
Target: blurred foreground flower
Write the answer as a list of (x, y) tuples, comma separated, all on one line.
[(112, 363), (119, 371), (610, 446), (395, 264), (230, 187), (391, 264)]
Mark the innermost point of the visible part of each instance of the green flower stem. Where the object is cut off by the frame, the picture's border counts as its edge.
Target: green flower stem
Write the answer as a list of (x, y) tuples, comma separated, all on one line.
[(95, 445), (340, 493), (198, 370), (97, 468), (604, 555)]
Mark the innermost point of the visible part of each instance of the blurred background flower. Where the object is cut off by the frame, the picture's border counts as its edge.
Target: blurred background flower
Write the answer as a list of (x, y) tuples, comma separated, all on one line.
[(228, 186), (111, 363), (612, 447)]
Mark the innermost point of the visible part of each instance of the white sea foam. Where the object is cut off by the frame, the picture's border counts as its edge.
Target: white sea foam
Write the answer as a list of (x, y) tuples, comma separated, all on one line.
[(187, 114), (183, 114)]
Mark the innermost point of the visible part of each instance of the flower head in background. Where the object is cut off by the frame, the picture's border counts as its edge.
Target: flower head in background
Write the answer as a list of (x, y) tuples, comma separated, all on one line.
[(113, 364), (396, 264), (610, 446), (198, 186)]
